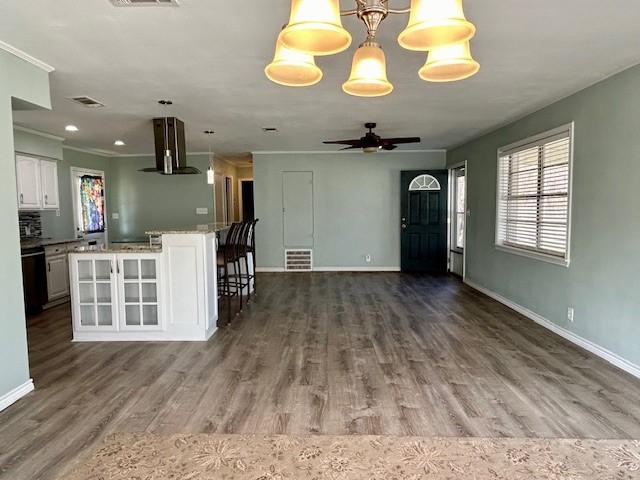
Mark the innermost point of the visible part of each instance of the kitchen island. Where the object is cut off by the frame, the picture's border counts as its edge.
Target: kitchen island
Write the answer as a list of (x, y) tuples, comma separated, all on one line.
[(138, 292)]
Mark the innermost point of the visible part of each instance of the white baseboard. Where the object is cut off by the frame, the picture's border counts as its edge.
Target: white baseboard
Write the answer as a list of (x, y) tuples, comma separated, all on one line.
[(16, 394), (356, 269), (332, 269), (588, 345)]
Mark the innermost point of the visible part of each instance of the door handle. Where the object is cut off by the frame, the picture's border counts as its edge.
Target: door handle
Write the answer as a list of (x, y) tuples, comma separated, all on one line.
[(404, 226)]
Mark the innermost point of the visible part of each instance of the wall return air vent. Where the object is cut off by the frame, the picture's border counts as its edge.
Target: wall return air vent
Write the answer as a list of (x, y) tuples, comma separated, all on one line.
[(145, 3), (298, 260)]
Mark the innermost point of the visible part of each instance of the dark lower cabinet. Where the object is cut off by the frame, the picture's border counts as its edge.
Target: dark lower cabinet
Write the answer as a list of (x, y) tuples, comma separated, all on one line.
[(34, 280)]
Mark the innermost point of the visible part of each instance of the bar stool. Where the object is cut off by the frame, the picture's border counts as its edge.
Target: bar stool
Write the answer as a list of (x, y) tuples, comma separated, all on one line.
[(250, 248), (229, 281)]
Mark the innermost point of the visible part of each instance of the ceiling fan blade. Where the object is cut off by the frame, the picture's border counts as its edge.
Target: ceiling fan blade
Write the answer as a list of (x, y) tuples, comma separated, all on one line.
[(389, 147), (351, 148), (393, 141), (343, 142)]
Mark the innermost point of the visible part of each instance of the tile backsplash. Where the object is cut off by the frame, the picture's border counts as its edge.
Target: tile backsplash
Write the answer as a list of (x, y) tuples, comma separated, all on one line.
[(30, 225)]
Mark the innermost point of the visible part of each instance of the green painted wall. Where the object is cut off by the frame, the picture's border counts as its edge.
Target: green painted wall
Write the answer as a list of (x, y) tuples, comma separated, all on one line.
[(148, 201), (605, 258), (18, 79), (356, 205)]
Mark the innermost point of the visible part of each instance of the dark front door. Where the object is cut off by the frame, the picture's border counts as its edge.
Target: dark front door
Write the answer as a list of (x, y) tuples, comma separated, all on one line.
[(424, 220), (247, 200)]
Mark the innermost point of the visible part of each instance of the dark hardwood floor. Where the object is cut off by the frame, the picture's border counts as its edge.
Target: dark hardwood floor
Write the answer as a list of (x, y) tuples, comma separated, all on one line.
[(320, 354)]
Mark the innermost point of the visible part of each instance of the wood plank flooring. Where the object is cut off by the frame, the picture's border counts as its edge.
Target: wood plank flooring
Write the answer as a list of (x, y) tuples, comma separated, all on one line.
[(387, 354)]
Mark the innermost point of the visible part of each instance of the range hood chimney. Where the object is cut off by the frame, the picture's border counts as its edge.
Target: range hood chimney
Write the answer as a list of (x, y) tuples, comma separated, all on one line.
[(171, 152)]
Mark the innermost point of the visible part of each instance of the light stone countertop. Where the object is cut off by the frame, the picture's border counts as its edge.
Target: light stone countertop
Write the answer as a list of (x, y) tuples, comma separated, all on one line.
[(199, 229), (120, 248), (47, 242)]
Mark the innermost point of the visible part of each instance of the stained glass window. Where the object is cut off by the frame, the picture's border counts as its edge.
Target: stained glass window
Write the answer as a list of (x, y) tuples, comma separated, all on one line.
[(92, 203)]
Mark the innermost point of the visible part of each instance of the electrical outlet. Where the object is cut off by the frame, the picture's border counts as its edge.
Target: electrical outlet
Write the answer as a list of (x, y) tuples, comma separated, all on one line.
[(570, 313), (202, 211), (115, 216), (367, 258)]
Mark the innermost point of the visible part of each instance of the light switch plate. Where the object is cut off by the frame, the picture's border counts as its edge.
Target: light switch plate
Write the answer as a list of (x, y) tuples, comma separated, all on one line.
[(202, 211), (115, 216)]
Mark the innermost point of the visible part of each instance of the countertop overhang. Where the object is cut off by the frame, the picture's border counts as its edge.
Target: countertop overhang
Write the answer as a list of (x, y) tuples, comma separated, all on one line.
[(194, 230)]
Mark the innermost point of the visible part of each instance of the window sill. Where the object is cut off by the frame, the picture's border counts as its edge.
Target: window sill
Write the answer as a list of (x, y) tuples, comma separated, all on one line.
[(534, 255)]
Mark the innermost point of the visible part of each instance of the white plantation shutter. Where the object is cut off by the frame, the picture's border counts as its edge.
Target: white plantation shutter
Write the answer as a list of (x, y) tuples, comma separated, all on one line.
[(533, 195)]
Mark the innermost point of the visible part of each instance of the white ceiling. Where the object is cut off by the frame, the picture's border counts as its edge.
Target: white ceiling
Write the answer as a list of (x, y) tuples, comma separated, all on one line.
[(208, 57)]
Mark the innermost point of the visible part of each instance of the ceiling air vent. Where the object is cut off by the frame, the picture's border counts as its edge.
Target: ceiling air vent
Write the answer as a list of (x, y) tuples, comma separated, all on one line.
[(269, 129), (298, 260), (145, 3), (87, 102)]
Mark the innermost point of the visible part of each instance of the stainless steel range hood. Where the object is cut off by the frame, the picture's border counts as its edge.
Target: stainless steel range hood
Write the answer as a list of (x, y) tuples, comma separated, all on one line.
[(171, 152)]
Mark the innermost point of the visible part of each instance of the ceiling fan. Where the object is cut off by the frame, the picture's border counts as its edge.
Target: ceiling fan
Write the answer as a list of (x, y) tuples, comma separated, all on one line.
[(371, 143)]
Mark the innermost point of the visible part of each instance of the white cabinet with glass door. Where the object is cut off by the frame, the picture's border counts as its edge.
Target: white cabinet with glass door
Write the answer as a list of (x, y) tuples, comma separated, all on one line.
[(138, 291), (115, 294), (94, 293)]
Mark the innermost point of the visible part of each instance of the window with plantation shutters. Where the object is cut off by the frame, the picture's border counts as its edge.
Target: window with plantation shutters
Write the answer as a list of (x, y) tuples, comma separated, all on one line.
[(534, 189)]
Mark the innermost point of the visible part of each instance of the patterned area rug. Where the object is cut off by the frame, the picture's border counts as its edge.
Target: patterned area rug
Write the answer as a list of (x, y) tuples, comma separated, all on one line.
[(226, 457)]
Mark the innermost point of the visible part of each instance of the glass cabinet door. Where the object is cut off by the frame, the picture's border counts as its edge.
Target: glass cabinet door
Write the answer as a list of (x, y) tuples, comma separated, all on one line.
[(139, 290), (95, 302)]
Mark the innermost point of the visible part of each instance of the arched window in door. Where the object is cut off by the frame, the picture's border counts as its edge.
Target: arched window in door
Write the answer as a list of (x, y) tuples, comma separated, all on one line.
[(425, 183)]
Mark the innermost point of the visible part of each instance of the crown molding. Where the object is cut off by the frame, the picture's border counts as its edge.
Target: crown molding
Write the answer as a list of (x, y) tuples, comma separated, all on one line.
[(26, 57), (345, 152), (30, 131), (91, 151)]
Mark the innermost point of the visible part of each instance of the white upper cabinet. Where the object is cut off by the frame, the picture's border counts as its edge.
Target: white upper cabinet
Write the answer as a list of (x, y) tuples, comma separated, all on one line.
[(28, 183), (49, 183), (37, 183)]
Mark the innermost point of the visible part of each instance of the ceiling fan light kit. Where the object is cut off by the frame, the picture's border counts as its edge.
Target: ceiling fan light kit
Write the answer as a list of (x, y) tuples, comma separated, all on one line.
[(372, 143), (438, 27)]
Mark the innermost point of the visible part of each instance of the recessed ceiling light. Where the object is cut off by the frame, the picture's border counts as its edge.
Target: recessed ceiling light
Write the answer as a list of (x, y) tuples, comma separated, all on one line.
[(71, 128), (119, 143)]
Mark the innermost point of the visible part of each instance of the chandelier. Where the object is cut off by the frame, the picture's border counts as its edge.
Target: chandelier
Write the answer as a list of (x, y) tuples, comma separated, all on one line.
[(437, 27)]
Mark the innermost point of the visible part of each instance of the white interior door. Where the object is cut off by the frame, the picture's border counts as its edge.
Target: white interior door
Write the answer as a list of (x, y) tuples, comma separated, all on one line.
[(297, 209)]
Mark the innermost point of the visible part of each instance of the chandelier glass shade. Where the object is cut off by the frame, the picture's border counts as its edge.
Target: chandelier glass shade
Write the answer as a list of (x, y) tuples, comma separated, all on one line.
[(315, 27), (435, 23), (293, 68), (438, 27), (449, 64), (368, 72)]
